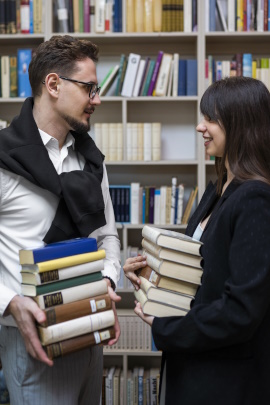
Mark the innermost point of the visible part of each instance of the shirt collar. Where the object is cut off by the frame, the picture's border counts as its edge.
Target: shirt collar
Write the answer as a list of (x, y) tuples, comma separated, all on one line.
[(46, 138)]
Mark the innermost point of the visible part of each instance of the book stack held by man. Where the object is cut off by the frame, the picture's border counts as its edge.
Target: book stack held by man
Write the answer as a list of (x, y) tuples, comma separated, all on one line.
[(65, 280), (173, 273)]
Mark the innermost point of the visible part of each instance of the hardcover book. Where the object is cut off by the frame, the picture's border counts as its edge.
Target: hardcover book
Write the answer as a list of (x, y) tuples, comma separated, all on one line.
[(76, 327), (24, 57), (57, 250), (172, 240), (167, 283), (34, 290), (76, 309), (60, 349), (71, 294)]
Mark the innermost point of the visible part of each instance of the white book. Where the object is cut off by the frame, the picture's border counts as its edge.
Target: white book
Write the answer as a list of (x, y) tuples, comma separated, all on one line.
[(139, 78), (108, 16), (147, 141), (260, 15), (100, 16), (175, 74), (119, 130), (180, 203), (113, 141), (107, 84), (231, 15), (36, 278), (134, 209), (169, 89), (156, 141), (105, 140), (221, 15), (140, 141), (163, 197), (131, 73), (5, 76), (187, 15), (163, 75), (72, 294), (129, 142), (134, 141), (173, 200), (98, 135), (226, 66)]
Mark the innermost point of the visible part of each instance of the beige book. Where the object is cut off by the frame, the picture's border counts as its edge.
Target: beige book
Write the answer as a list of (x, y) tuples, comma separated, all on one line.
[(37, 20), (130, 15), (175, 270), (140, 140), (98, 136), (119, 150), (138, 15), (5, 76), (76, 327), (163, 75), (134, 141), (148, 16), (168, 204), (157, 15), (100, 16), (105, 141), (171, 255), (113, 141), (156, 140), (76, 19)]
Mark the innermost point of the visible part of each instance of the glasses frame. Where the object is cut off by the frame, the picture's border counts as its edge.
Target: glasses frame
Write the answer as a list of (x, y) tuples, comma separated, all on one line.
[(94, 88)]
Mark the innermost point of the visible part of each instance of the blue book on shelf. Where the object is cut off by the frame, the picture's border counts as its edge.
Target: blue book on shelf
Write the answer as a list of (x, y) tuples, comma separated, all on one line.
[(117, 16), (24, 57), (218, 70), (143, 206), (247, 64), (120, 196), (212, 15), (153, 346), (192, 87), (182, 77), (31, 9), (57, 250)]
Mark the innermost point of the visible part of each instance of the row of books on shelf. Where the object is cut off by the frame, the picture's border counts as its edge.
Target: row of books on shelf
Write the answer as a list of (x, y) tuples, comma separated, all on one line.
[(143, 141), (95, 16), (237, 15), (21, 17), (14, 74), (173, 273), (165, 75), (135, 334), (161, 15), (142, 386), (138, 204), (240, 65), (65, 280)]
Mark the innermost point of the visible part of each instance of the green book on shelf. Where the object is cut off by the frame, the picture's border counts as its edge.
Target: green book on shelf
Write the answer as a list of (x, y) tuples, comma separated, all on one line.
[(148, 77), (35, 290)]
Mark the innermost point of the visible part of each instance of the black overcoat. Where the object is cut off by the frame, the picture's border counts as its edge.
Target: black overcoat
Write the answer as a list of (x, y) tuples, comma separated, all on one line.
[(219, 353)]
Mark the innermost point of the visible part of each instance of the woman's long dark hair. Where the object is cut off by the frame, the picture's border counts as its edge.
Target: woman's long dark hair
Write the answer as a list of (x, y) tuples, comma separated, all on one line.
[(241, 105)]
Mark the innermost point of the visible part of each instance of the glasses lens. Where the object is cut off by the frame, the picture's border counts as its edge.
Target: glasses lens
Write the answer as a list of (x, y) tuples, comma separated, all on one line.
[(93, 91)]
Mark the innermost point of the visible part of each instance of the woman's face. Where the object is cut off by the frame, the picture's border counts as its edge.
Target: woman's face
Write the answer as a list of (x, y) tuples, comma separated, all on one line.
[(213, 135)]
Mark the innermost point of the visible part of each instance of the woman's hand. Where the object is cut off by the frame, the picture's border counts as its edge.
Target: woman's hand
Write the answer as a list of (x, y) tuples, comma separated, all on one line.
[(132, 265), (146, 318)]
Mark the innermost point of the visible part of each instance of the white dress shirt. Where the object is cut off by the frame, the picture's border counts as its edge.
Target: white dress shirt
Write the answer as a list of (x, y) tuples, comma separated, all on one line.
[(26, 214)]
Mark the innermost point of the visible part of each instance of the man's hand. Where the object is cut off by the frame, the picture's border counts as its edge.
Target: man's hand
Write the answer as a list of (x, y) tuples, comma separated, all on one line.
[(132, 265), (25, 312), (115, 298)]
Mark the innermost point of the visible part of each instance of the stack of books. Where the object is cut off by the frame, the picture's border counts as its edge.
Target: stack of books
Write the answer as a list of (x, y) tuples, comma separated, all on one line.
[(173, 273), (65, 280)]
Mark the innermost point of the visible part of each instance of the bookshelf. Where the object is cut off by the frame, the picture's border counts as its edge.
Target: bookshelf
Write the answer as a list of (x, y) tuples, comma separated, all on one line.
[(182, 148)]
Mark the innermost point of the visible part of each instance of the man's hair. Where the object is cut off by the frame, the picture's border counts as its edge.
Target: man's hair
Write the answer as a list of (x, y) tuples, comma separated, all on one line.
[(59, 55), (241, 106)]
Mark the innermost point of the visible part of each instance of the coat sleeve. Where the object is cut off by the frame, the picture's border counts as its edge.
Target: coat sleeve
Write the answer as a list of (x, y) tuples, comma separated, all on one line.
[(235, 316)]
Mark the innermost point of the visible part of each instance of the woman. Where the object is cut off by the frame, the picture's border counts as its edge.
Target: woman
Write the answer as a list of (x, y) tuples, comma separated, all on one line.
[(219, 353)]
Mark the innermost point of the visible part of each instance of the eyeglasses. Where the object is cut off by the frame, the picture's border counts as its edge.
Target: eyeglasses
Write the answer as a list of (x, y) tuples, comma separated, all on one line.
[(93, 87)]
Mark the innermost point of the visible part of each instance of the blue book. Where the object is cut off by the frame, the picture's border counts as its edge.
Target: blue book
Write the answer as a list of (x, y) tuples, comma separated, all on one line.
[(31, 8), (218, 70), (143, 206), (140, 385), (182, 77), (247, 64), (120, 196), (212, 15), (57, 250), (117, 16), (192, 87), (24, 57)]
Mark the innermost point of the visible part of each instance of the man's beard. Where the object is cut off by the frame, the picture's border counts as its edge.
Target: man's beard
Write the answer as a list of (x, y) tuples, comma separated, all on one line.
[(75, 125)]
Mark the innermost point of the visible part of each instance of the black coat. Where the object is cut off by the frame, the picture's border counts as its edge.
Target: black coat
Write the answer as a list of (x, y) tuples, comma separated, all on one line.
[(219, 353)]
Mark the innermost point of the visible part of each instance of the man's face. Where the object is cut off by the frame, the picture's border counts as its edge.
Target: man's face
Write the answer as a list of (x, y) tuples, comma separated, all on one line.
[(75, 106)]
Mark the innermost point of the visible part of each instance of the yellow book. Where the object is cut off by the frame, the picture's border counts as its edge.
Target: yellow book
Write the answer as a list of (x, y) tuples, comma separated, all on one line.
[(67, 261), (148, 16), (254, 69), (240, 16), (139, 15), (157, 12), (130, 16)]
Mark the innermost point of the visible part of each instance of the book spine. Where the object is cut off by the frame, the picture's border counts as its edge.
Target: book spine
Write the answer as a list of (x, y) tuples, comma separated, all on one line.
[(155, 74), (60, 349)]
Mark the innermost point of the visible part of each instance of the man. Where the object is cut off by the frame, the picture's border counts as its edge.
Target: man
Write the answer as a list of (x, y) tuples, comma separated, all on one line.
[(53, 186)]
